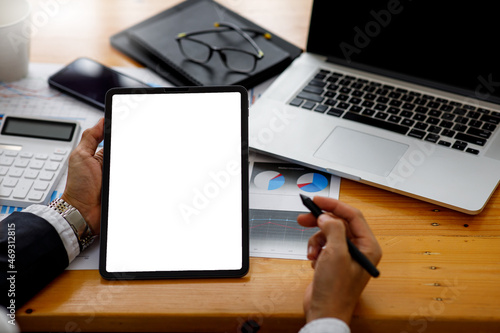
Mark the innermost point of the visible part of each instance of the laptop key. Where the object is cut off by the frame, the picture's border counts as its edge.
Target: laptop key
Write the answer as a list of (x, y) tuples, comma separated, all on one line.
[(489, 127), (354, 100), (381, 115), (472, 151), (393, 110), (460, 128), (434, 129), (460, 145), (420, 126), (395, 102), (470, 139), (475, 123), (321, 108), (296, 102), (367, 104), (308, 105), (335, 112), (376, 122), (447, 116), (448, 133), (432, 138), (368, 112), (311, 97), (320, 76), (415, 133), (343, 106), (406, 114), (432, 121), (444, 143), (313, 90), (408, 122), (394, 119), (317, 83), (490, 119), (479, 132)]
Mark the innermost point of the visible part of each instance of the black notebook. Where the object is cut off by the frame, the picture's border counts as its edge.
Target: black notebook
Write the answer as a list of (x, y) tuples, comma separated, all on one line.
[(153, 43)]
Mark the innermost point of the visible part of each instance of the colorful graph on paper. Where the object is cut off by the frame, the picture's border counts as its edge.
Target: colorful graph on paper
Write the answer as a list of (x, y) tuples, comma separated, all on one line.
[(275, 203)]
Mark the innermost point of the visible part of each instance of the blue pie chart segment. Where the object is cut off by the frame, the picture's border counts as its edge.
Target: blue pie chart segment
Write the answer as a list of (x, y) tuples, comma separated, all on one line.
[(312, 182), (269, 180)]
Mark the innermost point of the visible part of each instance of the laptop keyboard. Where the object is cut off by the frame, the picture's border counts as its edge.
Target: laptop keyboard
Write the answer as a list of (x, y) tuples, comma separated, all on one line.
[(430, 118)]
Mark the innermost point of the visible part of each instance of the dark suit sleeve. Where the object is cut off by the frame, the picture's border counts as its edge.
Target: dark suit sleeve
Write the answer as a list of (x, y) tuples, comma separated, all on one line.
[(39, 252)]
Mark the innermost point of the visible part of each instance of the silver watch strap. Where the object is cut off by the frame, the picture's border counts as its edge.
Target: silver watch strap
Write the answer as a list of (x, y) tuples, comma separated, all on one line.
[(76, 222)]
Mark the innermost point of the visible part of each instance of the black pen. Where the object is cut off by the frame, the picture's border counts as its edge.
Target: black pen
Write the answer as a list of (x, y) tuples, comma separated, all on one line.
[(353, 250)]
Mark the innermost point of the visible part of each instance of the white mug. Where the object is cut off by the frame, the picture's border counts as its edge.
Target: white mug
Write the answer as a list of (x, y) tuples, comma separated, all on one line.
[(14, 39)]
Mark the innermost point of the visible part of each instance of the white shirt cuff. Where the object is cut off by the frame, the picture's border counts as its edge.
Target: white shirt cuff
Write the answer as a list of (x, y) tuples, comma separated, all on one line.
[(62, 227), (326, 325)]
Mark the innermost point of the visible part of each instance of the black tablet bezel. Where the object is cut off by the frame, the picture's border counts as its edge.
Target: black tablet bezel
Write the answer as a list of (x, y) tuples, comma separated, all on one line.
[(244, 187)]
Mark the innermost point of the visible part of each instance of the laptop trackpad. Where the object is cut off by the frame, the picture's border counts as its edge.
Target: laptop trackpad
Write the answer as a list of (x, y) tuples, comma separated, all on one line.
[(361, 151)]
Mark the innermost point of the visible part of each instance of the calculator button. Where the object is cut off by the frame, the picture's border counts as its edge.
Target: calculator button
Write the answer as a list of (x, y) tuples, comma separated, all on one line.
[(41, 186), (41, 156), (56, 158), (11, 153), (36, 165), (3, 171), (5, 192), (46, 175), (22, 189), (22, 163), (52, 166), (10, 182), (16, 173), (35, 195), (7, 161), (26, 155), (60, 151), (31, 174)]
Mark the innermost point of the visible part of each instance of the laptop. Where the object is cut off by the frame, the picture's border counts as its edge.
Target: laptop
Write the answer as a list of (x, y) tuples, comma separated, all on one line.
[(401, 95)]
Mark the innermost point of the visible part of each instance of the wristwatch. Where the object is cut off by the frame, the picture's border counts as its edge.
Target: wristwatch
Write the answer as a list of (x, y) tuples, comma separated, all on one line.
[(76, 222)]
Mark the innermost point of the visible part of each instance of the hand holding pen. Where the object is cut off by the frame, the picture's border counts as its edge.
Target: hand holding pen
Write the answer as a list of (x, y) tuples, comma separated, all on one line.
[(339, 277)]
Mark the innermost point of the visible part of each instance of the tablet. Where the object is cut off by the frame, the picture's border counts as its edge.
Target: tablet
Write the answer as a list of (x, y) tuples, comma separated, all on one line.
[(175, 183)]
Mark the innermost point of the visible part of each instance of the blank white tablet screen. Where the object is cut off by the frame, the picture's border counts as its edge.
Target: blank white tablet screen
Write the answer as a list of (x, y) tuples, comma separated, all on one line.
[(175, 198)]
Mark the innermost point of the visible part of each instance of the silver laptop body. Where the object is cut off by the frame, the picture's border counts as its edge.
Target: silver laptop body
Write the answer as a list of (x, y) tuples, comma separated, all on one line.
[(433, 168)]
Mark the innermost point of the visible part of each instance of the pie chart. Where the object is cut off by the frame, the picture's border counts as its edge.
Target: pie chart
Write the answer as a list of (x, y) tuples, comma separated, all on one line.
[(312, 182), (269, 180)]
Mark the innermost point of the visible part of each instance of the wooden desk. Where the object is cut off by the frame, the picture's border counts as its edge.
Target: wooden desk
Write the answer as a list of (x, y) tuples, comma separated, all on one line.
[(440, 271)]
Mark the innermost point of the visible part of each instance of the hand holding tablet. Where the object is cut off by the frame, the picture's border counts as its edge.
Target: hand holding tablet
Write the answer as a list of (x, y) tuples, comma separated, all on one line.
[(175, 183)]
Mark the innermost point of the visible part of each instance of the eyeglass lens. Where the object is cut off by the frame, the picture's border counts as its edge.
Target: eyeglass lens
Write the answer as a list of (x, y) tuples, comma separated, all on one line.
[(194, 50), (238, 61)]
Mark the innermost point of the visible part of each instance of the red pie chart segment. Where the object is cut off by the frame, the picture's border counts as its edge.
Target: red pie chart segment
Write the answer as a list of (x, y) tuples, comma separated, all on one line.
[(312, 182)]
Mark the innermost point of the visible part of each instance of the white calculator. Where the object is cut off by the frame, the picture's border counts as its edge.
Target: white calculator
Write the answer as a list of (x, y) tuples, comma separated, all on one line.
[(33, 156)]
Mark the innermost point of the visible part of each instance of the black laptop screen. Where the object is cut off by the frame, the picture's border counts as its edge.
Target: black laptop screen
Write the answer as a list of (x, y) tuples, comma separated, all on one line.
[(440, 43)]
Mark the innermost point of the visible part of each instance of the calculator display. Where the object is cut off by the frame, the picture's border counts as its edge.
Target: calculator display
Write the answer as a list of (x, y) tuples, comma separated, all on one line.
[(40, 129)]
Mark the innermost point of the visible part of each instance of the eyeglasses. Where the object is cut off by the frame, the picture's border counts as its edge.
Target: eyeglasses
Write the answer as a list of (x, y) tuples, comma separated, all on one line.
[(234, 58)]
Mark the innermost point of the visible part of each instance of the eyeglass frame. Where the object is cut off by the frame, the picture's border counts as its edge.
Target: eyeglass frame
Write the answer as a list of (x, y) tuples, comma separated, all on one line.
[(220, 50)]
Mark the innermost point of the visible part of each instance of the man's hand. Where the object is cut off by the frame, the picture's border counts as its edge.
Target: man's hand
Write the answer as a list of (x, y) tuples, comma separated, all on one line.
[(83, 188), (338, 280)]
